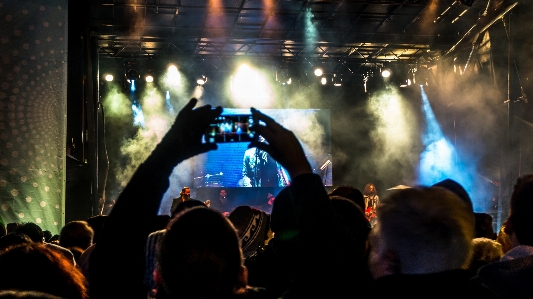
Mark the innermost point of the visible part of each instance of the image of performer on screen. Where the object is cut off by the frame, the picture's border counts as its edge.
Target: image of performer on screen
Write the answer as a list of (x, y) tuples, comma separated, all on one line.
[(260, 170)]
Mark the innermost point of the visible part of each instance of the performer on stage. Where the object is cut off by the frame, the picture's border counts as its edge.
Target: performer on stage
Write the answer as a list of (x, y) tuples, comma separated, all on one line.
[(222, 205), (371, 203), (260, 170), (185, 195)]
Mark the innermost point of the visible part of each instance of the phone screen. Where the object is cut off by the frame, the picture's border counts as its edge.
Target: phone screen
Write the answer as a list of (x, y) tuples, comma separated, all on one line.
[(230, 128)]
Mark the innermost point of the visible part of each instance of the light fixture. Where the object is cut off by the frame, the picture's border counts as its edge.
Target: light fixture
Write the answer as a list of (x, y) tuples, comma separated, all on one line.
[(108, 77), (149, 78), (172, 68), (385, 72), (323, 80), (201, 80), (132, 75), (337, 79), (318, 72)]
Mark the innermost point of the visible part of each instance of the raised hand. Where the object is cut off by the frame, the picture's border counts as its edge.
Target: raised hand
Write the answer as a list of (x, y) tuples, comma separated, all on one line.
[(281, 144)]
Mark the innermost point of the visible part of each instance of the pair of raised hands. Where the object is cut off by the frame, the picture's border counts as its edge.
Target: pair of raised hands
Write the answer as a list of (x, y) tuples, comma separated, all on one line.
[(187, 131)]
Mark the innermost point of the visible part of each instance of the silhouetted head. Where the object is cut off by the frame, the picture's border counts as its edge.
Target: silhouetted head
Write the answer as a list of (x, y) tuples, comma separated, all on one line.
[(200, 256)]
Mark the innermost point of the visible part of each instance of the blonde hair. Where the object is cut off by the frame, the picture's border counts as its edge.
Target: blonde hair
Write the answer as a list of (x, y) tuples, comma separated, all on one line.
[(430, 229)]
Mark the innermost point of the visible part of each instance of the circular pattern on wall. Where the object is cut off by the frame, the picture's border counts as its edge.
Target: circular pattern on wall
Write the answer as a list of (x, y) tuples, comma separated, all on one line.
[(32, 110)]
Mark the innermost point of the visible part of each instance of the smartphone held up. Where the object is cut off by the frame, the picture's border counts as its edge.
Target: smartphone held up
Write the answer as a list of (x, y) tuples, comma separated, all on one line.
[(230, 128)]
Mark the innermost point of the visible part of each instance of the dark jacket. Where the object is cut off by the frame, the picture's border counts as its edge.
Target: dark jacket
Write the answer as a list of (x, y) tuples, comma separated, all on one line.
[(511, 277)]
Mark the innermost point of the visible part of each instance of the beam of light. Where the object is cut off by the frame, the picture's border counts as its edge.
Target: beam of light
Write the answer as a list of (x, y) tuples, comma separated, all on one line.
[(311, 33), (439, 160), (198, 92), (249, 87), (169, 106), (132, 86), (172, 77), (138, 116)]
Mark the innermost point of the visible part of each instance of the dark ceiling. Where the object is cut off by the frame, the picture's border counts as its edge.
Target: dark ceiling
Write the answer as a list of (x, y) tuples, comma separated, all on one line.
[(357, 32)]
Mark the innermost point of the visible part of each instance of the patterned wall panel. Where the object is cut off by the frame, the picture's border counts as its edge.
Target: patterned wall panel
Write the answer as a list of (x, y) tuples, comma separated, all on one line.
[(33, 58)]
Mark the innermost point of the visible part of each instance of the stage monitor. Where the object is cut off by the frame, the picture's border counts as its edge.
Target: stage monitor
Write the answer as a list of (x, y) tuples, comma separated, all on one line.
[(234, 165)]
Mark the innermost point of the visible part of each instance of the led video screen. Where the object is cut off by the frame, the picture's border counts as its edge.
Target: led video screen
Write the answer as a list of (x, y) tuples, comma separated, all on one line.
[(234, 165)]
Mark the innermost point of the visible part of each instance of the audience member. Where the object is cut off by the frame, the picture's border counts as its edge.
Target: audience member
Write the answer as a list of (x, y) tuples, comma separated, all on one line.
[(511, 276), (457, 189), (12, 227), (36, 267), (485, 251), (423, 242), (47, 235), (252, 226), (503, 238), (484, 226), (13, 239), (351, 193), (200, 257), (32, 230), (152, 246), (35, 233), (76, 234)]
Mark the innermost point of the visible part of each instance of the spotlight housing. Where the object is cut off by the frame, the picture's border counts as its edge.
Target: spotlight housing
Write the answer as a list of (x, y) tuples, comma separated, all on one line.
[(131, 75), (201, 80), (318, 72), (385, 72), (108, 77), (323, 80), (149, 78)]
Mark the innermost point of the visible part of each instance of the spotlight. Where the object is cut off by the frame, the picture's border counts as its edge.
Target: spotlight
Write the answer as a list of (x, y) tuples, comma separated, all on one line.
[(385, 73), (172, 68), (149, 78), (108, 77), (201, 80), (318, 72), (323, 80), (132, 75), (337, 80)]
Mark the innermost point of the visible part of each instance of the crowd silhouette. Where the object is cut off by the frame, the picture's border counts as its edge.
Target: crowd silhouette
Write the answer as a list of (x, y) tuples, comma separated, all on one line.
[(427, 241)]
